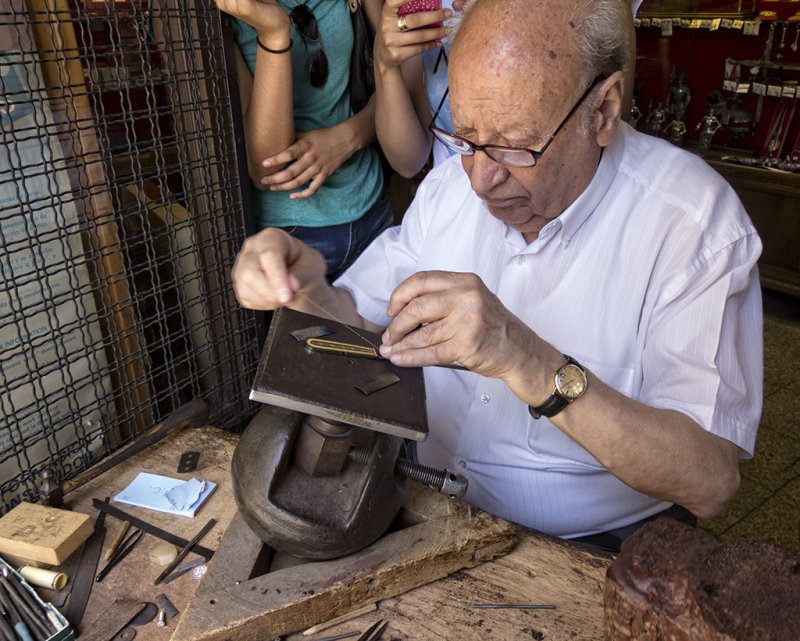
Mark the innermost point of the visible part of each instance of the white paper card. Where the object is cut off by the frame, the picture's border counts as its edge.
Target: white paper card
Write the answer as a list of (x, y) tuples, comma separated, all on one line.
[(166, 494)]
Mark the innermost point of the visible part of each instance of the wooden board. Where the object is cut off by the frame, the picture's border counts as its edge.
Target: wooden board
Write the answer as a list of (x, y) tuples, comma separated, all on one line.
[(37, 534), (540, 570), (442, 537)]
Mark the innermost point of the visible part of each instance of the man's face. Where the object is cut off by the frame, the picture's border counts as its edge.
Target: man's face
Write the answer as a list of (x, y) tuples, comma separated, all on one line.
[(500, 104)]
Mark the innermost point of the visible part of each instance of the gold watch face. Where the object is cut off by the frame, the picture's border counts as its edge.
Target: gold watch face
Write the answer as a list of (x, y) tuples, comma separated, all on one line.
[(570, 381)]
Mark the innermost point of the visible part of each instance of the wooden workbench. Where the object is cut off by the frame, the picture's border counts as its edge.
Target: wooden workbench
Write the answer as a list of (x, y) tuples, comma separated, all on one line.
[(540, 569)]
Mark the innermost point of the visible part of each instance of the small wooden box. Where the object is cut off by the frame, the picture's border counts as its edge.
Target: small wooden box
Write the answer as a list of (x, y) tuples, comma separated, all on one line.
[(38, 534)]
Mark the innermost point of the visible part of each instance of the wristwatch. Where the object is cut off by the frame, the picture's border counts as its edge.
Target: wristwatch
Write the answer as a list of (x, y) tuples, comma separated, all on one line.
[(570, 384)]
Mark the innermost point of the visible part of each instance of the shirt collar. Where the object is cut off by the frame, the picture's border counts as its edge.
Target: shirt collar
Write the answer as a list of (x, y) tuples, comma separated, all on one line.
[(571, 219)]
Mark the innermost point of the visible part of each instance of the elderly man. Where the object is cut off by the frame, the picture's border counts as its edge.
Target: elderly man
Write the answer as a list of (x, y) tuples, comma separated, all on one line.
[(599, 284)]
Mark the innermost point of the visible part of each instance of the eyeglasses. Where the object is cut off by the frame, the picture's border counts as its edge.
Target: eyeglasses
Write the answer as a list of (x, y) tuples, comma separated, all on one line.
[(305, 22), (508, 156)]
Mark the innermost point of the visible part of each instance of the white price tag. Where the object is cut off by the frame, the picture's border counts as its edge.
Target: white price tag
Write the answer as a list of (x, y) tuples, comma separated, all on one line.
[(743, 87), (737, 24), (789, 91), (715, 24), (726, 23), (729, 85), (759, 88), (774, 91), (751, 27), (666, 27)]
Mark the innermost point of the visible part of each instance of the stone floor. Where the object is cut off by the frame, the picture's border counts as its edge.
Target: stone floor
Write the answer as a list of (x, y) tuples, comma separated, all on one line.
[(767, 506)]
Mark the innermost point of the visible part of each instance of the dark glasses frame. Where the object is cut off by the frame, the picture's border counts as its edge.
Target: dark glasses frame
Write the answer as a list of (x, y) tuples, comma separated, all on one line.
[(510, 156), (305, 23)]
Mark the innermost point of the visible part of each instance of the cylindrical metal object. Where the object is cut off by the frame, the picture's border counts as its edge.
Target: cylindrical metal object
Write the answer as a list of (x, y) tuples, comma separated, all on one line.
[(442, 481)]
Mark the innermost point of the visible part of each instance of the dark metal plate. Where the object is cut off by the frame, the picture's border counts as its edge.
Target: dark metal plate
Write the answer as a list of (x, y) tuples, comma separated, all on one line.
[(145, 616), (291, 376)]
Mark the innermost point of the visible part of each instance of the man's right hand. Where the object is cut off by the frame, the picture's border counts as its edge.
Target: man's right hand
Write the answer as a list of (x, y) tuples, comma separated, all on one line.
[(273, 267)]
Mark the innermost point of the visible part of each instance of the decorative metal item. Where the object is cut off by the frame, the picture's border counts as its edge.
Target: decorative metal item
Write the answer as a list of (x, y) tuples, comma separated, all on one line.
[(656, 119), (676, 130), (708, 126)]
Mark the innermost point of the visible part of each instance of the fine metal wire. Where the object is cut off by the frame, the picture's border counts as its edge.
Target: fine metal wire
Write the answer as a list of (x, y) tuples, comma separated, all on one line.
[(120, 217)]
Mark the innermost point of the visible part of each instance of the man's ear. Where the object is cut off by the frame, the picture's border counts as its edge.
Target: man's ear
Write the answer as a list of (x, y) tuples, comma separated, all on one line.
[(609, 108)]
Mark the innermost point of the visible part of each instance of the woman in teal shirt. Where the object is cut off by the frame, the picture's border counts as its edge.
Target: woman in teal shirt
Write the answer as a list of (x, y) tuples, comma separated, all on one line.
[(309, 157)]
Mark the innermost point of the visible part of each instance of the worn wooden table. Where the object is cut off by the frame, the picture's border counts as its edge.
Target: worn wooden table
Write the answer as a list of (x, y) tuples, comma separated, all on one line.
[(540, 569)]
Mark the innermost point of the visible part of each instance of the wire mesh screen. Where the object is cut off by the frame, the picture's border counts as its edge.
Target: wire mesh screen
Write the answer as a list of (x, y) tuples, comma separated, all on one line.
[(120, 216)]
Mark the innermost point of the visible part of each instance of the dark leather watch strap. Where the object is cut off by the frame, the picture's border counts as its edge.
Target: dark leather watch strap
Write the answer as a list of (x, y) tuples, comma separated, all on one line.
[(550, 407)]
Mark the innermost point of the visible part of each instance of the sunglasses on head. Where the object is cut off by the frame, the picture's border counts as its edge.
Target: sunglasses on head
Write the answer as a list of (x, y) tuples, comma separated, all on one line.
[(306, 25)]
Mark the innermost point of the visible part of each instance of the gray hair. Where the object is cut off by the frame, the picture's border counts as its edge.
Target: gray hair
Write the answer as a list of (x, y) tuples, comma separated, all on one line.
[(604, 44), (602, 39)]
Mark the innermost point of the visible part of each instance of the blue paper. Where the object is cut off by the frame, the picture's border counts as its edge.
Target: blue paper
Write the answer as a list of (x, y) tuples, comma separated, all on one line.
[(165, 494)]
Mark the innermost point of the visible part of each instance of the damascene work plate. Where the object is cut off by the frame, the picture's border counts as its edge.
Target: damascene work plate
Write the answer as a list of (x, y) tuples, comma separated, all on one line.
[(291, 376)]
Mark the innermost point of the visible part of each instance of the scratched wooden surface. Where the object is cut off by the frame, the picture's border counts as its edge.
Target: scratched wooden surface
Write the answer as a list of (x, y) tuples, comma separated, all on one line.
[(131, 581), (540, 569)]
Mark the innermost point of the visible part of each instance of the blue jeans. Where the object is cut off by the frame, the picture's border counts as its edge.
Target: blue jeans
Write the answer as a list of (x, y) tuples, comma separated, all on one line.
[(342, 244)]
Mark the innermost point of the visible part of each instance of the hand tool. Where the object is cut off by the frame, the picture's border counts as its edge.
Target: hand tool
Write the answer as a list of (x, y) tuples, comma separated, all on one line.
[(117, 540), (6, 631), (336, 637), (185, 551), (81, 583), (20, 627), (35, 615), (513, 606), (183, 568), (374, 632), (342, 618), (124, 549), (316, 473), (191, 414), (150, 529)]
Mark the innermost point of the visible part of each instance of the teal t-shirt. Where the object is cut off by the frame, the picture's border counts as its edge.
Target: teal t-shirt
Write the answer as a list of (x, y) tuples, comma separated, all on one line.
[(347, 193)]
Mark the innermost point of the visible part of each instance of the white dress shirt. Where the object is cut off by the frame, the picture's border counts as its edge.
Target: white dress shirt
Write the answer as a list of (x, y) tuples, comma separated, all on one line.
[(648, 279)]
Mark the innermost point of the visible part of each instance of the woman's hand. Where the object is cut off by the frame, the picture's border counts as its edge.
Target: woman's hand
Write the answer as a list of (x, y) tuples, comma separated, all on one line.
[(393, 46), (314, 156), (265, 16)]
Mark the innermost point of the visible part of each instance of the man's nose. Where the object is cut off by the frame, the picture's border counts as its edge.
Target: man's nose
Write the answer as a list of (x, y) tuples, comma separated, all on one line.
[(484, 173)]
